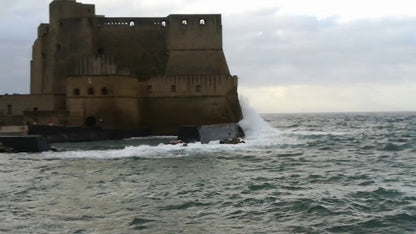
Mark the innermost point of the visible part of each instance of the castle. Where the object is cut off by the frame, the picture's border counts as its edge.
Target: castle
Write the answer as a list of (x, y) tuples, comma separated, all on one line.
[(126, 73)]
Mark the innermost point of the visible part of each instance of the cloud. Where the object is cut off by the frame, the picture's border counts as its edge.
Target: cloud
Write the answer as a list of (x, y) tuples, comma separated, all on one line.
[(272, 49), (331, 98), (14, 67)]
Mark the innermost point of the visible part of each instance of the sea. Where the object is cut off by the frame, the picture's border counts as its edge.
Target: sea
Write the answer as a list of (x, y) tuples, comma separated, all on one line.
[(295, 173)]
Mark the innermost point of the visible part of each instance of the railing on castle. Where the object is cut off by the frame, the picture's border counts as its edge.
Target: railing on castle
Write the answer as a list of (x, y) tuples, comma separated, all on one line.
[(132, 22)]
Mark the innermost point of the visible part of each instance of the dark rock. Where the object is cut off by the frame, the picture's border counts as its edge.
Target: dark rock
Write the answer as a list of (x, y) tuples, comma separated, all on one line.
[(207, 133), (30, 144), (189, 134), (233, 141), (5, 149)]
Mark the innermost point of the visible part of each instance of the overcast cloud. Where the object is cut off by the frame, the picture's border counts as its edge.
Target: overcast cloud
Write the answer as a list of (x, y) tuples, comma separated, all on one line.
[(308, 50), (291, 56)]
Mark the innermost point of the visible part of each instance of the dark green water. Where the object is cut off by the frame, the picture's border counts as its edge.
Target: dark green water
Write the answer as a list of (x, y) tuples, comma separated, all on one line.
[(313, 173)]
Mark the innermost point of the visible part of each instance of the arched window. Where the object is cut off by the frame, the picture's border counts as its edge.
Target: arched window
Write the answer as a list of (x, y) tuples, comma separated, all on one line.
[(202, 22), (91, 121), (132, 24), (184, 22), (163, 23)]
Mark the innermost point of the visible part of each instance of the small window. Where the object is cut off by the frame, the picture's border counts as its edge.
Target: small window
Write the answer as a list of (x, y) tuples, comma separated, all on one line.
[(149, 89), (100, 51), (163, 23), (184, 22), (9, 109), (75, 92), (132, 24), (202, 21), (104, 91), (58, 47), (173, 88), (35, 109), (90, 91), (198, 88)]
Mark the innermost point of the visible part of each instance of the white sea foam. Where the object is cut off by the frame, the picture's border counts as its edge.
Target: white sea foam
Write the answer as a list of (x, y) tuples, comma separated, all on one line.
[(151, 152), (253, 124)]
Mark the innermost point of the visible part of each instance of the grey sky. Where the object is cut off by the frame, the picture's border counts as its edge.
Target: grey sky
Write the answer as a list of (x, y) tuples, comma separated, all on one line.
[(353, 56)]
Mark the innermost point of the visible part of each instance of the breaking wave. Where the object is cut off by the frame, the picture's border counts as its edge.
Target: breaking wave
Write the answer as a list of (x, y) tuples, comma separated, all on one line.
[(253, 124)]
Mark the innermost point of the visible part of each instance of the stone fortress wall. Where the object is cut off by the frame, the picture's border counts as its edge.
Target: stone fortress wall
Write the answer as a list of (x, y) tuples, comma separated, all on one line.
[(127, 72)]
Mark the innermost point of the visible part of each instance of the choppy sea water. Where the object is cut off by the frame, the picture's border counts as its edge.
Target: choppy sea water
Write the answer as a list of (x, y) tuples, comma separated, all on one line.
[(296, 173)]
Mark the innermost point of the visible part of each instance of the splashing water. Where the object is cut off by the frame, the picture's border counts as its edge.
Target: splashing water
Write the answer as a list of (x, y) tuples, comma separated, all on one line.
[(253, 124)]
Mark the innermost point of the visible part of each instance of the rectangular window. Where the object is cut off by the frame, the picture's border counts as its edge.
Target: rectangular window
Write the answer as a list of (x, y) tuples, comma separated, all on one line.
[(76, 92), (173, 88), (104, 91), (90, 91), (198, 88), (9, 109)]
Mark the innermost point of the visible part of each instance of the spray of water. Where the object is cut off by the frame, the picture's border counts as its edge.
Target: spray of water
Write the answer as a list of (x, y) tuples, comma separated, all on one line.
[(253, 124)]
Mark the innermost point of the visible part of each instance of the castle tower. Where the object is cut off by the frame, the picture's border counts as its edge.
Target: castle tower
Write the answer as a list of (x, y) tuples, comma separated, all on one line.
[(195, 46), (69, 33)]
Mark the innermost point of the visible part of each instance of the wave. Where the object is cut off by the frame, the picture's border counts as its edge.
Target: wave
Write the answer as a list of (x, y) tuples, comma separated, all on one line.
[(253, 124)]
